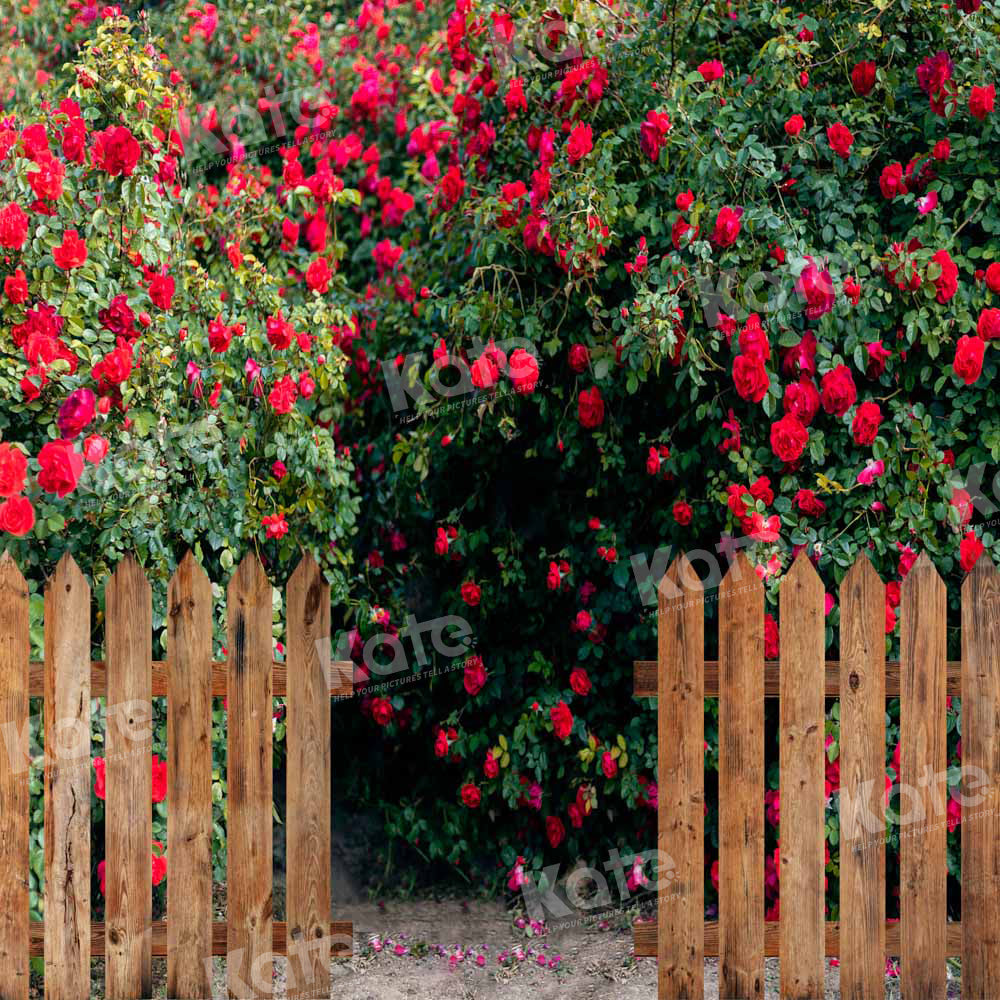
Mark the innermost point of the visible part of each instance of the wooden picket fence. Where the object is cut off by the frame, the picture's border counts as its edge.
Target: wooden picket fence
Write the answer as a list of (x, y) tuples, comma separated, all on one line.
[(681, 679), (189, 679)]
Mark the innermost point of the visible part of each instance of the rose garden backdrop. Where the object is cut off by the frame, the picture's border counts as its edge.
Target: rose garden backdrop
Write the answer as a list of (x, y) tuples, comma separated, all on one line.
[(477, 303)]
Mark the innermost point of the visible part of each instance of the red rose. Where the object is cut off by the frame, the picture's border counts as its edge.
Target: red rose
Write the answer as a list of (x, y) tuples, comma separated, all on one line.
[(947, 281), (318, 276), (711, 70), (76, 412), (17, 516), (837, 391), (118, 317), (72, 252), (382, 711), (989, 324), (753, 339), (727, 227), (840, 138), (579, 358), (562, 720), (970, 549), (95, 448), (284, 394), (159, 779), (750, 377), (475, 675), (891, 181), (942, 149), (866, 422), (522, 369), (161, 291), (581, 142), (794, 125), (554, 830), (13, 227), (116, 151), (471, 593), (608, 765), (15, 287), (789, 438), (863, 78), (113, 369), (772, 649), (490, 766), (684, 200), (61, 467), (968, 363), (13, 469), (809, 503), (591, 408), (815, 288), (683, 512), (982, 101), (801, 399), (877, 357), (579, 681), (471, 796)]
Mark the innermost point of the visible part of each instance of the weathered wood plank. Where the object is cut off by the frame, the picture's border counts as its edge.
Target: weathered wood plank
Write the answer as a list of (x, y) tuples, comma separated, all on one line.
[(249, 779), (644, 936), (128, 831), (681, 780), (15, 652), (741, 783), (644, 678), (341, 934), (309, 779), (341, 679), (67, 784), (802, 717), (923, 763), (862, 783), (189, 776), (981, 767)]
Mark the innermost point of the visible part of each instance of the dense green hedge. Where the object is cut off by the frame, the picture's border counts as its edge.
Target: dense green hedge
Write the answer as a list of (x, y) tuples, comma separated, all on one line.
[(735, 264)]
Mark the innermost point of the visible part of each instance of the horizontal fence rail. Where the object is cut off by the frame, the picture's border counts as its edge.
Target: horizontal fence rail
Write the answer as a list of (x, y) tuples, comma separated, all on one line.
[(922, 679), (129, 938)]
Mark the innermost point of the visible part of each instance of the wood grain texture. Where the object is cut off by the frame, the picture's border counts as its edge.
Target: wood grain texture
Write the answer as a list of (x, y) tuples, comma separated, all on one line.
[(801, 739), (644, 678), (644, 936), (923, 871), (741, 783), (862, 783), (681, 780), (67, 784), (249, 778), (981, 765), (189, 775), (309, 780), (341, 679), (15, 652), (341, 935), (128, 831)]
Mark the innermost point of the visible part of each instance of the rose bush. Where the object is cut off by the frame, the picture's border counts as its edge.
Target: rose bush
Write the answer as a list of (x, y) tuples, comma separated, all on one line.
[(614, 279)]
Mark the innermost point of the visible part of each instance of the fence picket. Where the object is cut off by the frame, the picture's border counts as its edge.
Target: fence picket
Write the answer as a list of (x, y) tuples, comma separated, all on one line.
[(862, 777), (249, 777), (923, 842), (189, 776), (15, 652), (681, 770), (741, 782), (67, 784), (981, 756), (129, 742), (309, 776), (802, 710)]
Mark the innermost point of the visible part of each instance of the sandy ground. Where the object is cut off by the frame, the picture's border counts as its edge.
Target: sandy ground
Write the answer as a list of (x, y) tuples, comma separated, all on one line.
[(410, 951)]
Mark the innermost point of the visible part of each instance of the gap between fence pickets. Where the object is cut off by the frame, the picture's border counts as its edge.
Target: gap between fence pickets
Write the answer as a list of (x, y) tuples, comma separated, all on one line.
[(341, 934), (645, 671)]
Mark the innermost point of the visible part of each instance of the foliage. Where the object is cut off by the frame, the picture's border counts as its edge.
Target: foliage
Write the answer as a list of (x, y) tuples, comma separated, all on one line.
[(749, 250)]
